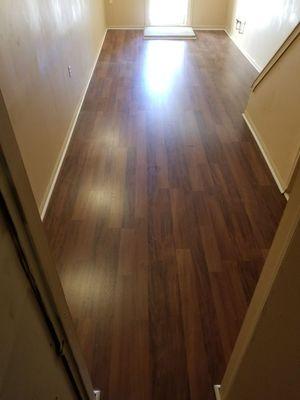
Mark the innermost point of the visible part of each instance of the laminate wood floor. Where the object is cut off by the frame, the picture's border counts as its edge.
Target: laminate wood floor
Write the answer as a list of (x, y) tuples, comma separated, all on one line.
[(162, 216)]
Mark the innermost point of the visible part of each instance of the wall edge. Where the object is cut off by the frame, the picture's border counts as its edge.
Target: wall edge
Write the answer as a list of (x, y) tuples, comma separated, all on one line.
[(56, 170)]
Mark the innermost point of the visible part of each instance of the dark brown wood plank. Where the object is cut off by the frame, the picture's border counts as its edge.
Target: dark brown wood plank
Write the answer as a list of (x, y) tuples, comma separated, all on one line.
[(162, 215)]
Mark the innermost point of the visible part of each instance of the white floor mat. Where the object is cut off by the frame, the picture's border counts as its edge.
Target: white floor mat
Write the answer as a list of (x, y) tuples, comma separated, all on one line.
[(169, 32)]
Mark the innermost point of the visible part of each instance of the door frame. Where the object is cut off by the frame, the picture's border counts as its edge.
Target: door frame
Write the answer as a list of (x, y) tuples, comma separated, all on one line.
[(189, 17), (26, 228)]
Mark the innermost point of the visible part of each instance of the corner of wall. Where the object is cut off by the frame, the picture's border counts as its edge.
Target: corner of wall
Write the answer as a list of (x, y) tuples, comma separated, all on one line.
[(264, 150), (258, 67), (229, 16)]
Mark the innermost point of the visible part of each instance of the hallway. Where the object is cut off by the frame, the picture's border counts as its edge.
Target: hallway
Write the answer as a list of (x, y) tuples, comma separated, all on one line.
[(162, 215)]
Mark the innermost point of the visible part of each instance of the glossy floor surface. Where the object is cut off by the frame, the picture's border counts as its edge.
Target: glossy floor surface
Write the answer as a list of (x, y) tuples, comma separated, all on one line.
[(162, 215)]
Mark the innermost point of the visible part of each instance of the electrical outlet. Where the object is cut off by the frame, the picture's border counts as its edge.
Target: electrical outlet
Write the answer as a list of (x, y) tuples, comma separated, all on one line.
[(242, 27), (238, 23), (70, 71)]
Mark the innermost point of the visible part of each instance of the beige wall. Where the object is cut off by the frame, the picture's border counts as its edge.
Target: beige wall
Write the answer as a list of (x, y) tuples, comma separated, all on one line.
[(39, 40), (127, 13), (29, 365), (131, 13), (268, 23), (209, 13), (273, 112), (31, 238)]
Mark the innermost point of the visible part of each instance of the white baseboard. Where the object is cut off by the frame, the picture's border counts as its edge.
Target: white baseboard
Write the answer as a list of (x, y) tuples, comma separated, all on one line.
[(44, 204), (245, 53), (196, 28), (264, 151), (209, 28), (126, 28), (217, 392)]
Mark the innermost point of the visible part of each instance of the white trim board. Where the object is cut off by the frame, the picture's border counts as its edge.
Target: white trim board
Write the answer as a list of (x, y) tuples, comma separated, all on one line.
[(47, 197), (195, 28), (170, 32), (209, 28), (217, 392), (244, 52), (126, 28), (264, 151)]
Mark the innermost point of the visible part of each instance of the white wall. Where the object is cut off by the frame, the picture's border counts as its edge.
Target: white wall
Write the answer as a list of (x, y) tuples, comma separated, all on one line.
[(268, 23)]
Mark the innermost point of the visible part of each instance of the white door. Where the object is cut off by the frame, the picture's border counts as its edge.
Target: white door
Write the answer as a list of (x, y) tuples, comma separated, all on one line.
[(168, 12)]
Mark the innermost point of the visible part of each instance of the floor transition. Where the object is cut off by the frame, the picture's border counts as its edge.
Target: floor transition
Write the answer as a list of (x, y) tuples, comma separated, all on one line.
[(162, 216)]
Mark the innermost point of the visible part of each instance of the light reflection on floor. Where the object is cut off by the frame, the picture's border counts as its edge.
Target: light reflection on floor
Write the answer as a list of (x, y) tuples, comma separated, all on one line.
[(164, 59)]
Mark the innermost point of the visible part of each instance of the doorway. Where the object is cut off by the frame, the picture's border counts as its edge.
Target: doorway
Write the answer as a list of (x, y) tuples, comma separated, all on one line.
[(168, 12)]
